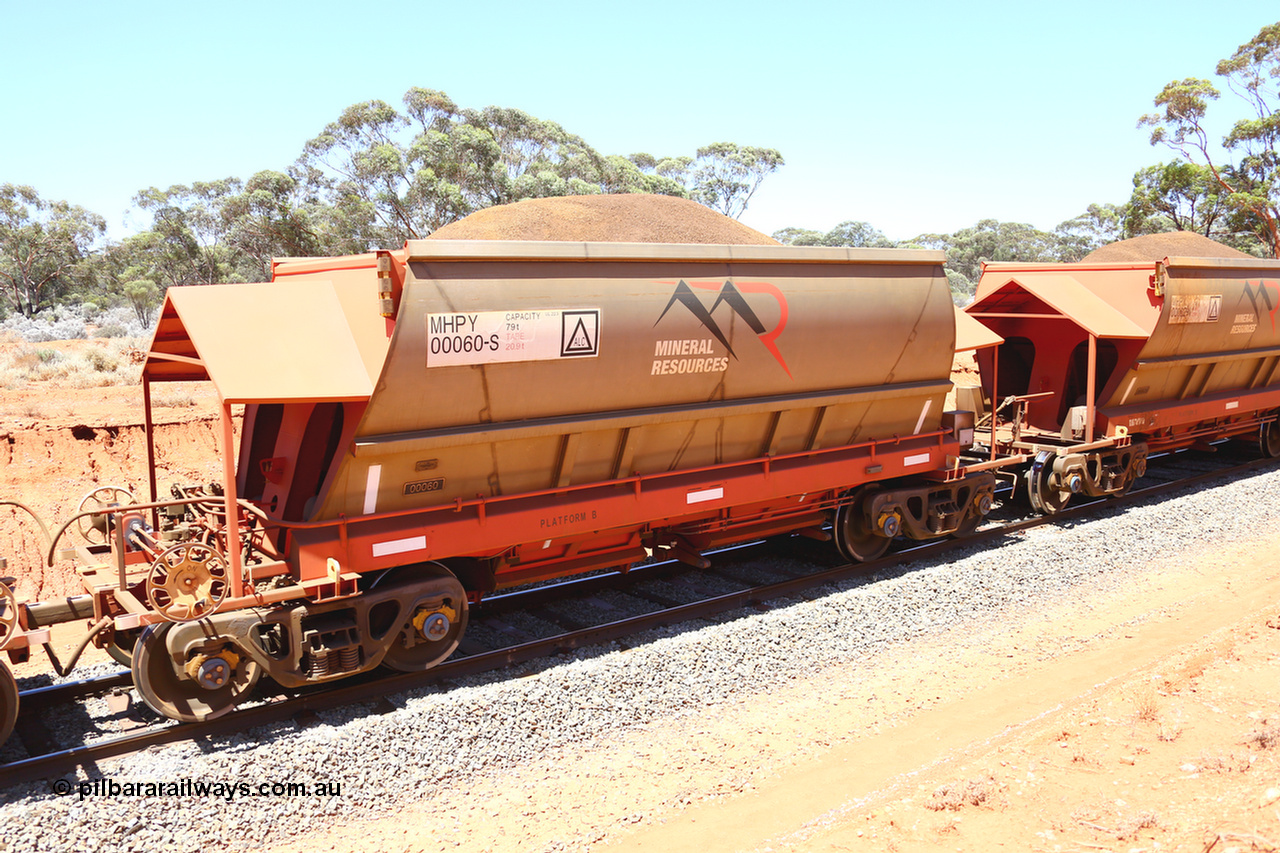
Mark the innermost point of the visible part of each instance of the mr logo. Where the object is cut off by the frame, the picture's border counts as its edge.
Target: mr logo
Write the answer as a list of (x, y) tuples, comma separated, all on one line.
[(731, 295), (1264, 294)]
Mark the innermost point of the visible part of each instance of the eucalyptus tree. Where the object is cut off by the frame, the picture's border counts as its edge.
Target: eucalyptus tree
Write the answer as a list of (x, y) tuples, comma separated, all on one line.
[(848, 233), (1176, 196), (399, 175), (725, 175), (388, 174), (44, 247), (1247, 172)]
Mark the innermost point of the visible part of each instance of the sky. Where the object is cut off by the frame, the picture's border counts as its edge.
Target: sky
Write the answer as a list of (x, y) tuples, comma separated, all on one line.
[(921, 117)]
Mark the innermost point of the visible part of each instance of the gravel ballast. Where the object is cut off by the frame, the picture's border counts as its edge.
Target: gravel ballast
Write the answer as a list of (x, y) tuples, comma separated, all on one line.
[(447, 738)]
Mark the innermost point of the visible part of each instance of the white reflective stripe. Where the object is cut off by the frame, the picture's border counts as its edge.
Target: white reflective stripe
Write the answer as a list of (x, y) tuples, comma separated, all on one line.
[(1127, 389), (1234, 404), (923, 412), (918, 459), (705, 495), (399, 546), (371, 489)]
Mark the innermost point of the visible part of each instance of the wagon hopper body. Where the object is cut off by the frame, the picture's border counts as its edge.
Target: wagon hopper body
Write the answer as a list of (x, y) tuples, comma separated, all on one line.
[(424, 426), (1101, 364)]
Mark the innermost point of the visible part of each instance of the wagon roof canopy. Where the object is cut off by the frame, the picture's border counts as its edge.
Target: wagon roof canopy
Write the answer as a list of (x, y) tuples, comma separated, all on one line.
[(261, 342), (1055, 294), (970, 334)]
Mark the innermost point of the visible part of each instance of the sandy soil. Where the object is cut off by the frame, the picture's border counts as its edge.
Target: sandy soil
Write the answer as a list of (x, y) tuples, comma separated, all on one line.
[(1145, 721)]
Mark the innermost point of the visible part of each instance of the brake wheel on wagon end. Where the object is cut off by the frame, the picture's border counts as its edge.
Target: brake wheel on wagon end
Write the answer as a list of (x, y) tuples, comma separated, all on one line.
[(8, 684), (94, 528)]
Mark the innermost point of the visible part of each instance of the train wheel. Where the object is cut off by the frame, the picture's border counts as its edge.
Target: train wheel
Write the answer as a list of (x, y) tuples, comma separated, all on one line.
[(1046, 498), (200, 688), (435, 623), (978, 510), (970, 525), (1137, 470), (120, 646), (8, 702), (1269, 439), (857, 540)]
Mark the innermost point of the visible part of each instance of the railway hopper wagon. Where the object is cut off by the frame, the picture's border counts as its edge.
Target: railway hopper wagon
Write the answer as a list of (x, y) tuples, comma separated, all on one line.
[(425, 426), (1096, 366)]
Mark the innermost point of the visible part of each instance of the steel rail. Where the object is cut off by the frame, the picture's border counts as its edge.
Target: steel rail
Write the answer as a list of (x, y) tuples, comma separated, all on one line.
[(374, 687), (40, 698)]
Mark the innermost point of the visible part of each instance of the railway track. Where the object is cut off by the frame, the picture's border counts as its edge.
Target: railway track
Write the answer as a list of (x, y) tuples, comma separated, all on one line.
[(537, 624)]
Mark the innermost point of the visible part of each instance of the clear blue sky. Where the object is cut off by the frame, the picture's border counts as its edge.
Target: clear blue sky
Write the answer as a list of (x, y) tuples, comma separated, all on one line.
[(915, 117)]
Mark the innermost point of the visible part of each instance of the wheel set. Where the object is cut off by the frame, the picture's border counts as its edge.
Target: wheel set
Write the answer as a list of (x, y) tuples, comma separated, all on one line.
[(190, 685), (199, 667), (8, 684), (1269, 439)]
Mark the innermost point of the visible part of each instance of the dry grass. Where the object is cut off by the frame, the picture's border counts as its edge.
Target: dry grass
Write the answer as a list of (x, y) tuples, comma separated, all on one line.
[(90, 365), (1125, 829), (954, 796), (1223, 762), (1266, 736), (1146, 704), (173, 400), (1129, 829)]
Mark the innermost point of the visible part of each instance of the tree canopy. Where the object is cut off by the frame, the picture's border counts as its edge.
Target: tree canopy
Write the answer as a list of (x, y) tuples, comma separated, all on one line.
[(44, 247), (372, 178), (390, 175), (1247, 172), (989, 240)]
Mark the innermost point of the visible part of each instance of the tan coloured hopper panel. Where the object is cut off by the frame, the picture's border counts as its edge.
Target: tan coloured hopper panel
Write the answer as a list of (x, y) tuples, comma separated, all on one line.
[(971, 335), (689, 358), (267, 342), (1217, 332), (354, 279)]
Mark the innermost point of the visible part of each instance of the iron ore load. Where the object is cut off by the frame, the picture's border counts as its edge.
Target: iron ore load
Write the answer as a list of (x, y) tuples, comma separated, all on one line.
[(425, 426)]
